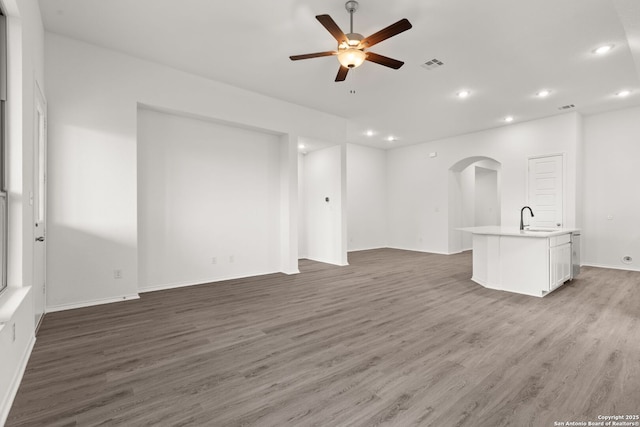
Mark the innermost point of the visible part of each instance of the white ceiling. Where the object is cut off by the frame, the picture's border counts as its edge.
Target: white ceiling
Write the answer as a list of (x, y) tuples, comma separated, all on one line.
[(503, 51)]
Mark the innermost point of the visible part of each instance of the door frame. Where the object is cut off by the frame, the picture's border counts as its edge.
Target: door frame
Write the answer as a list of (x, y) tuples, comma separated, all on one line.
[(564, 181), (39, 141)]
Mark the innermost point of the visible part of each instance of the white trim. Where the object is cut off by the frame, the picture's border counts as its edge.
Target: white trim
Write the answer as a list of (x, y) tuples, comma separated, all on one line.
[(564, 182), (367, 248), (423, 251), (11, 299), (613, 267), (326, 261), (493, 288), (409, 250), (5, 407), (199, 282), (40, 111), (71, 306)]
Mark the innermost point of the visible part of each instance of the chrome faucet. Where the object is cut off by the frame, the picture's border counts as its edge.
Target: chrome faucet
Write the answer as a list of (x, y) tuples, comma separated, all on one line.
[(522, 213)]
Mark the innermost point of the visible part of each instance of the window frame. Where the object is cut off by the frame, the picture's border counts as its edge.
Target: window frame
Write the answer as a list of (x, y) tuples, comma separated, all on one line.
[(4, 198)]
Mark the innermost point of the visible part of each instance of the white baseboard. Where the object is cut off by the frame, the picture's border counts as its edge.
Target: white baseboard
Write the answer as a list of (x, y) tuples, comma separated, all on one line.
[(415, 250), (5, 407), (422, 251), (63, 307), (289, 273), (326, 261), (484, 284), (613, 267), (175, 285), (368, 248)]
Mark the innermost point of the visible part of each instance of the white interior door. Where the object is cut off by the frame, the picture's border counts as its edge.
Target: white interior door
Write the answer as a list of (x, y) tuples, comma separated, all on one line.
[(39, 203), (545, 193)]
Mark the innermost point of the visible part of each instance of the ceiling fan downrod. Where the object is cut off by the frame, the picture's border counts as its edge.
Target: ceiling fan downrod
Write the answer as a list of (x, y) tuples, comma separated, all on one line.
[(351, 7)]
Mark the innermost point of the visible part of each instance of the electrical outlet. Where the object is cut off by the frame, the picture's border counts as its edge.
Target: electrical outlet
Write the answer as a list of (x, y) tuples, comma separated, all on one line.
[(117, 274), (214, 260)]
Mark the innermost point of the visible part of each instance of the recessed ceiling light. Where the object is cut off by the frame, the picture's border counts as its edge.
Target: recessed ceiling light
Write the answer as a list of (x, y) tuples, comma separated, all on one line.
[(623, 93), (603, 49), (392, 139), (508, 119), (369, 133), (301, 146), (463, 94), (543, 93)]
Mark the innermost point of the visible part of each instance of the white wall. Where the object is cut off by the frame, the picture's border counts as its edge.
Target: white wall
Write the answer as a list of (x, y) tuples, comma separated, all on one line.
[(25, 68), (14, 354), (611, 211), (418, 185), (302, 209), (324, 219), (366, 197), (288, 215), (473, 199), (468, 191), (93, 96), (205, 190), (487, 199)]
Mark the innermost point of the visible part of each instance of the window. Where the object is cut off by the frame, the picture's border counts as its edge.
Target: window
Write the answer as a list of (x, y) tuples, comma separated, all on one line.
[(3, 186)]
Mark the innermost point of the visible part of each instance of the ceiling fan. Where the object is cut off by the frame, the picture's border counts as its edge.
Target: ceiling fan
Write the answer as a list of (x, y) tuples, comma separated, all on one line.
[(352, 47)]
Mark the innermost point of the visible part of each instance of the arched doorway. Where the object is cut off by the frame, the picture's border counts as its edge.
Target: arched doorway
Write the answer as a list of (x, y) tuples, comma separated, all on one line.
[(474, 198)]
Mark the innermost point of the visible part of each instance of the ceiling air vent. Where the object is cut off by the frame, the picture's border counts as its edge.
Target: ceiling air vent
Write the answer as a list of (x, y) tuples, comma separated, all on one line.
[(432, 63), (566, 107)]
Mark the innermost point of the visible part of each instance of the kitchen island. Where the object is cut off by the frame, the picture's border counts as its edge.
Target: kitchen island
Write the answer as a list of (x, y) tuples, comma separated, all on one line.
[(531, 262)]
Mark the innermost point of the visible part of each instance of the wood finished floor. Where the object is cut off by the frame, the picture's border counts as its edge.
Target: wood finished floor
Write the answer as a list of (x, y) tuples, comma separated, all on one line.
[(396, 338)]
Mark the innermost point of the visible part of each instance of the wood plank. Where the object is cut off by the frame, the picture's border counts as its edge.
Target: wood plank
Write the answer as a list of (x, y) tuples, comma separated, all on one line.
[(395, 338)]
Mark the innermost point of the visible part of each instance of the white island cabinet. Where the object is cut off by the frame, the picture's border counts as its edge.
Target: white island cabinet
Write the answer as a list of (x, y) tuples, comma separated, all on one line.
[(530, 262)]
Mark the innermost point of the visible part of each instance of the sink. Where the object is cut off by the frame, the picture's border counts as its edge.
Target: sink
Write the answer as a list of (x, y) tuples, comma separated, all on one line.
[(540, 230)]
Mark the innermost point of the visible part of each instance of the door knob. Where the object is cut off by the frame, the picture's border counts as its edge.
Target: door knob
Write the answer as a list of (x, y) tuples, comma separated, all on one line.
[(40, 239)]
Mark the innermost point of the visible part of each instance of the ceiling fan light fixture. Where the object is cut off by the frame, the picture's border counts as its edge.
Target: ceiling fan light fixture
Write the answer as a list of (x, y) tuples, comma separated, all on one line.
[(353, 41), (351, 46), (351, 57)]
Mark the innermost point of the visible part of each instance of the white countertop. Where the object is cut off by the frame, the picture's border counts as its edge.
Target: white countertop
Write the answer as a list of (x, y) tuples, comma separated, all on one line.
[(497, 230)]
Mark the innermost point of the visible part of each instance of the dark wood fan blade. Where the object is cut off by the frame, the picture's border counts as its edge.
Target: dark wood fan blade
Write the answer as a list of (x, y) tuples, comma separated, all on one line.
[(311, 55), (385, 33), (383, 60), (342, 74), (333, 28)]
